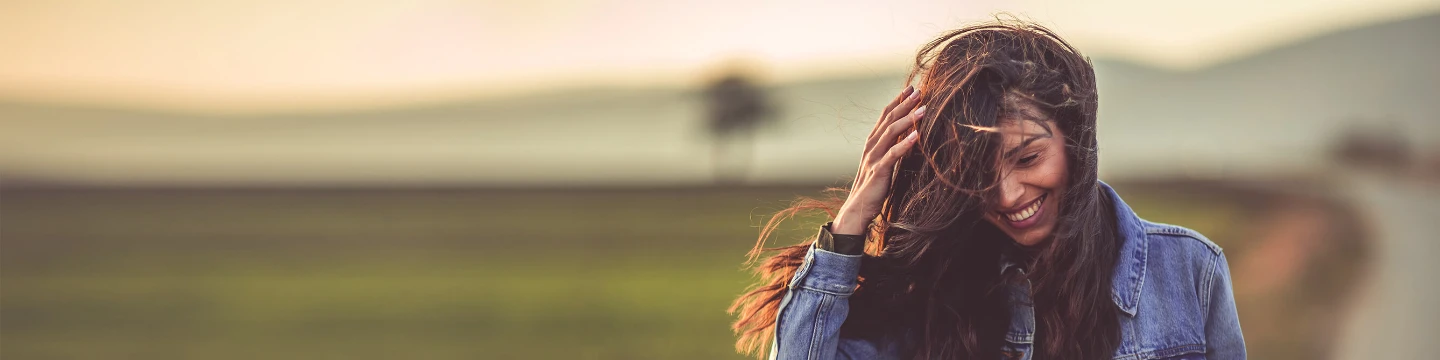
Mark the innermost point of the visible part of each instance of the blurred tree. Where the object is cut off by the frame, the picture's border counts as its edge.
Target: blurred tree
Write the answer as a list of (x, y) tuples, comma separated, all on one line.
[(737, 108)]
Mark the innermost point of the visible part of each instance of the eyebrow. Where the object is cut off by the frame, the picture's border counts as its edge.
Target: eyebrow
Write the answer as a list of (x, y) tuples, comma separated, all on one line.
[(1048, 134), (1012, 151)]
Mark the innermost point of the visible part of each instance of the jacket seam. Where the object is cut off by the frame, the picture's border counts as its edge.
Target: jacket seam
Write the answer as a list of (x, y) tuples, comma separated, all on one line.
[(791, 291), (1154, 228), (780, 313), (1207, 286), (817, 336)]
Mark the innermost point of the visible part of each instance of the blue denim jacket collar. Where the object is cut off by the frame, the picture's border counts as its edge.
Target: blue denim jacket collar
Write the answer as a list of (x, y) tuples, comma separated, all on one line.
[(1130, 266)]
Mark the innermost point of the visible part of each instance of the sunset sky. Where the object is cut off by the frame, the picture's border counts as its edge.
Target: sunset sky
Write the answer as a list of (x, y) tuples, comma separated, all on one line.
[(277, 55)]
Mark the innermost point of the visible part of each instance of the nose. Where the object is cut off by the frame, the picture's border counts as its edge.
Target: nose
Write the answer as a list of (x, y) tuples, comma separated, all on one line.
[(1011, 192)]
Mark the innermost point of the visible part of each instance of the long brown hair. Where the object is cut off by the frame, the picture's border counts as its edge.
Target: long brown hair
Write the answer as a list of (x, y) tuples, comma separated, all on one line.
[(930, 277)]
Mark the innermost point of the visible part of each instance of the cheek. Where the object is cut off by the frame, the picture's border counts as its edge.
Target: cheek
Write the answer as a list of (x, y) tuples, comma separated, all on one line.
[(1051, 173), (1056, 171)]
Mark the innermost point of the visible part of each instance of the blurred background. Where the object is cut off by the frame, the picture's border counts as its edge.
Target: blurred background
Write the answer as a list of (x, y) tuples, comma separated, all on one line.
[(581, 179)]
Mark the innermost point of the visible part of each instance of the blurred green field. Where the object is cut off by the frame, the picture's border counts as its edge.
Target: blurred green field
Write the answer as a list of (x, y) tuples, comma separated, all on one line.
[(392, 274)]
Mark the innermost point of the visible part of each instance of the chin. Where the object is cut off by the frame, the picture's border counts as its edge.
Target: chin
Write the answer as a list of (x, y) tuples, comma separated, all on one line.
[(1034, 236)]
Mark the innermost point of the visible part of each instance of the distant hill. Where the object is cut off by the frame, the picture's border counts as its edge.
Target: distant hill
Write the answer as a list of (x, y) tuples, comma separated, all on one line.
[(1274, 111), (1280, 107)]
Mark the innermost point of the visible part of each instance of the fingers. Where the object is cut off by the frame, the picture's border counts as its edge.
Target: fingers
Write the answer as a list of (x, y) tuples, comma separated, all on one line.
[(904, 94), (887, 138), (894, 111), (901, 104), (904, 107), (899, 150), (886, 165)]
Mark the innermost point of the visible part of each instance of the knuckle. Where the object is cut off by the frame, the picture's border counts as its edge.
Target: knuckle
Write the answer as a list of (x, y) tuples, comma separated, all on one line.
[(896, 152), (898, 125), (891, 155)]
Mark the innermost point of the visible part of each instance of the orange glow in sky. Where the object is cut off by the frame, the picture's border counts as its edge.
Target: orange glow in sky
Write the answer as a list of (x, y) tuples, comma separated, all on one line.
[(258, 55)]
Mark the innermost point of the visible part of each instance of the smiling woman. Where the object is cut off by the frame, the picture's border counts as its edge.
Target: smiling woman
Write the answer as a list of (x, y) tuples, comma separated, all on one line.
[(1034, 166), (977, 228)]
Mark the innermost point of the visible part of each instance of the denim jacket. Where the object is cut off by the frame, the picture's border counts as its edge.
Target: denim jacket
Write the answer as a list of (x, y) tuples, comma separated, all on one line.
[(1171, 284)]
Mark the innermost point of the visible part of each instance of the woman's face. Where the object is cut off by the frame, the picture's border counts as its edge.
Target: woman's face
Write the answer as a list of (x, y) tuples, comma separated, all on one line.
[(1033, 173)]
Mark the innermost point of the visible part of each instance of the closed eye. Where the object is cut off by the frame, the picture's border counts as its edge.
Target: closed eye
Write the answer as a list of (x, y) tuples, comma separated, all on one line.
[(1028, 159)]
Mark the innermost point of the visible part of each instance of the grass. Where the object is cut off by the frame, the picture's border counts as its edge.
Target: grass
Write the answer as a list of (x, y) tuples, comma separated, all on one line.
[(425, 274)]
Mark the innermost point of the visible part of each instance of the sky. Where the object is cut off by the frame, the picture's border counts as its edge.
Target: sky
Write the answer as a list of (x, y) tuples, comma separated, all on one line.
[(298, 55)]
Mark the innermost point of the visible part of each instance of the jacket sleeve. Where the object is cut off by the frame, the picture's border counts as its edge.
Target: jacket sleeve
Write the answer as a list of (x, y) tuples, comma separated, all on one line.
[(816, 303), (1222, 326)]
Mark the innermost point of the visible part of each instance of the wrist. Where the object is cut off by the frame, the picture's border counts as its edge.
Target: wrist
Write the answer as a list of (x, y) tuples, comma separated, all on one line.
[(847, 223)]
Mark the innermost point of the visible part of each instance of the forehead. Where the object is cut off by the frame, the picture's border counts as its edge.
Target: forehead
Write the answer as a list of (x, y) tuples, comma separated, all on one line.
[(1020, 117), (1015, 130)]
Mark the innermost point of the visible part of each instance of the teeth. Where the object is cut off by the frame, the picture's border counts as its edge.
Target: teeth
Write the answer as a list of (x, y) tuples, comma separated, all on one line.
[(1025, 213)]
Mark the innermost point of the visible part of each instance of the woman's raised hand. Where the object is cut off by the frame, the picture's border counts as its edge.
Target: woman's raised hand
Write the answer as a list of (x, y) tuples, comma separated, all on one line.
[(883, 149)]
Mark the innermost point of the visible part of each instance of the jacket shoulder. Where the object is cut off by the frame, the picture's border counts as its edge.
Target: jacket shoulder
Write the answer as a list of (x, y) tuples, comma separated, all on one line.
[(1171, 316), (1181, 262)]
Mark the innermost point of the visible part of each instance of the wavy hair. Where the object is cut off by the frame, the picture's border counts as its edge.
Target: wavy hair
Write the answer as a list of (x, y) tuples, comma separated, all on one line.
[(930, 276)]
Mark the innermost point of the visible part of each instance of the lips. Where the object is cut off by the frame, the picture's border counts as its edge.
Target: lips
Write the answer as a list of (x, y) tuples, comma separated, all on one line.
[(1021, 216)]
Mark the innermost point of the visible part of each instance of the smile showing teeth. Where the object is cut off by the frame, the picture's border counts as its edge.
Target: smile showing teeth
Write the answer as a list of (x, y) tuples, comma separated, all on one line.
[(1027, 212)]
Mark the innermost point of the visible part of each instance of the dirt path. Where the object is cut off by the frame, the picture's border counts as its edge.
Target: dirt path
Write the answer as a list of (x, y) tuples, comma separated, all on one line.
[(1397, 312)]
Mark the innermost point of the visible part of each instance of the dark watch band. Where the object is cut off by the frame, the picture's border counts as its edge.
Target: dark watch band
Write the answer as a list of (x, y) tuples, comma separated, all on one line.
[(839, 243)]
